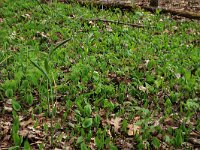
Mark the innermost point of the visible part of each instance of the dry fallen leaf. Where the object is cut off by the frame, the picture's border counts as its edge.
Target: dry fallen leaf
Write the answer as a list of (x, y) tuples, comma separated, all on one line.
[(1, 20), (143, 89), (116, 123), (169, 121), (91, 23), (133, 129), (24, 133), (109, 29), (8, 109), (26, 123), (137, 118)]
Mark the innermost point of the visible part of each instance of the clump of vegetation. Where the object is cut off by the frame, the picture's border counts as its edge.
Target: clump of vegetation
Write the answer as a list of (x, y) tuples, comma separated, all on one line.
[(70, 80)]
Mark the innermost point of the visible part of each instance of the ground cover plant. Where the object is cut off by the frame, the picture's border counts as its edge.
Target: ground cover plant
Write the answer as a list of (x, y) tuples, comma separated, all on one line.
[(70, 81)]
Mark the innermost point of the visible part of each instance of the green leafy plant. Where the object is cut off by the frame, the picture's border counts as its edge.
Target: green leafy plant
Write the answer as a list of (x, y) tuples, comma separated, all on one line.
[(148, 77), (87, 123), (17, 139), (16, 105), (178, 139), (156, 143)]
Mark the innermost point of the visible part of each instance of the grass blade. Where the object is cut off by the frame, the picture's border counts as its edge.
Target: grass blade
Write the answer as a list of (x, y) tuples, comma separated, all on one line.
[(5, 59), (39, 68), (59, 45)]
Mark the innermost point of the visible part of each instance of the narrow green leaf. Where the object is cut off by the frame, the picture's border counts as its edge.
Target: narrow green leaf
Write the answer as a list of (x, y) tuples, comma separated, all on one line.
[(83, 146), (30, 99), (27, 145), (39, 68), (46, 65), (79, 140), (59, 45)]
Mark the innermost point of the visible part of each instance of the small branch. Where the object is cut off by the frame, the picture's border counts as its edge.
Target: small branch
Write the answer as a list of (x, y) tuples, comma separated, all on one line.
[(128, 5), (117, 22), (41, 7), (195, 141), (187, 14)]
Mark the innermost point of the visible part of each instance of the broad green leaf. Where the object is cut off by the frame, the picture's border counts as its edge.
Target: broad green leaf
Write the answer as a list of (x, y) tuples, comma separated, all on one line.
[(87, 123), (113, 147), (17, 139), (178, 138), (79, 140), (9, 93), (156, 143), (30, 99), (27, 145), (16, 105), (25, 84), (87, 110), (83, 146), (98, 142), (96, 76)]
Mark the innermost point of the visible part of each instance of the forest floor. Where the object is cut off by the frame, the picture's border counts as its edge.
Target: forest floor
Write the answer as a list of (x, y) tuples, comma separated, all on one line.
[(79, 77)]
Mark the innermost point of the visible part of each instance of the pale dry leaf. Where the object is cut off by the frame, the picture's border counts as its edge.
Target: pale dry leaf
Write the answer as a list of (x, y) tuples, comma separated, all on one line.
[(91, 23), (109, 133), (109, 29), (92, 143), (175, 28), (8, 109), (24, 133), (133, 129), (1, 20), (142, 88), (26, 123), (9, 101), (72, 16), (6, 138), (26, 16), (137, 118), (146, 62), (178, 75), (156, 123), (116, 123), (194, 141)]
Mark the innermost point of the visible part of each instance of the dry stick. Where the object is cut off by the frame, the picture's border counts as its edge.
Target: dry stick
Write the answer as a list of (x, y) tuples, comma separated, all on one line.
[(187, 14), (117, 22), (108, 3), (131, 7), (41, 6)]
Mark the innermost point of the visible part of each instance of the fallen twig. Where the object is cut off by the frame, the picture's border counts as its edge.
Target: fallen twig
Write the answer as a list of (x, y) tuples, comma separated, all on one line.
[(41, 6), (194, 141), (127, 5), (187, 14), (108, 3)]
